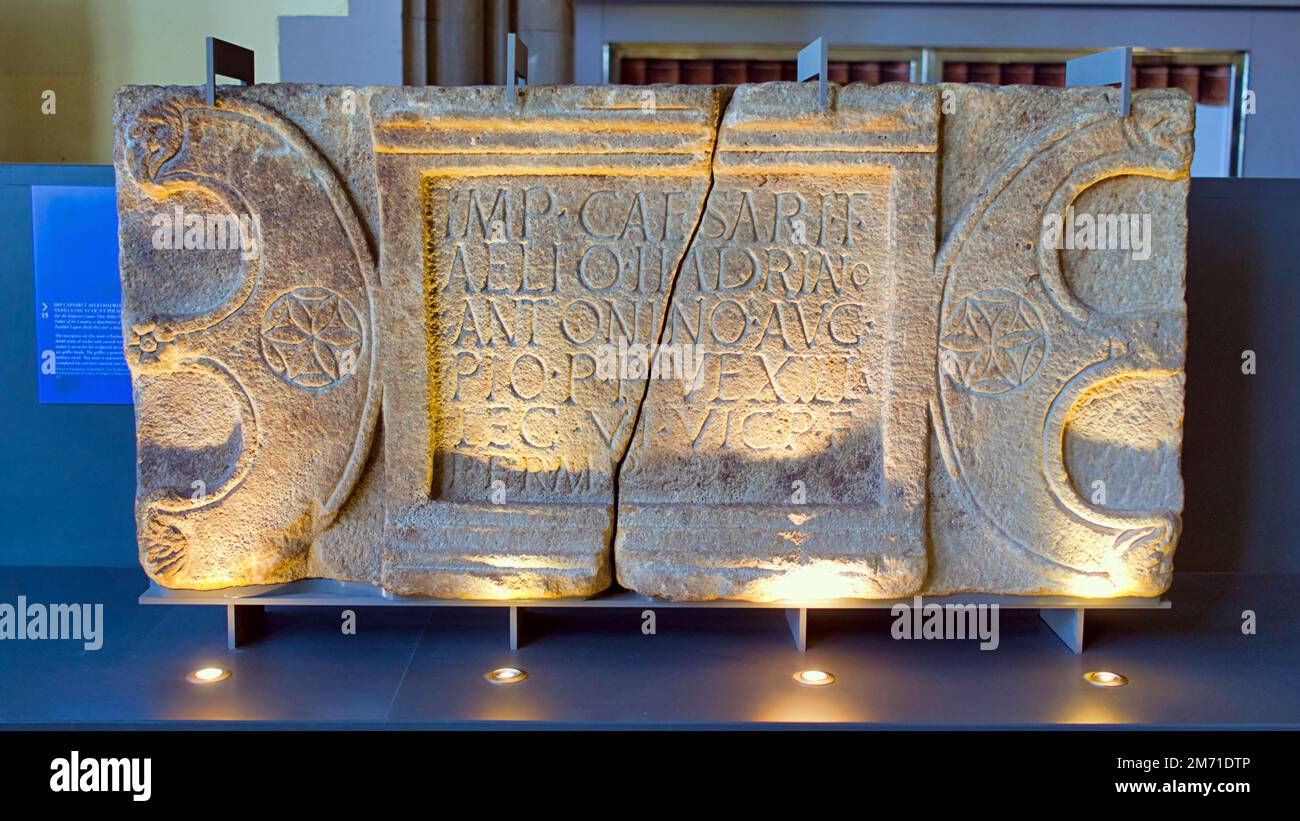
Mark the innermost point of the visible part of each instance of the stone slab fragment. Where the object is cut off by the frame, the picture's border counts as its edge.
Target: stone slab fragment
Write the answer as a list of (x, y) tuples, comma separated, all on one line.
[(789, 459), (1058, 414), (248, 316), (522, 241)]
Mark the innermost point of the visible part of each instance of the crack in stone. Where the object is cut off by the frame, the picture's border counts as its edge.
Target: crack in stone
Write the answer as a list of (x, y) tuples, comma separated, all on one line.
[(617, 472)]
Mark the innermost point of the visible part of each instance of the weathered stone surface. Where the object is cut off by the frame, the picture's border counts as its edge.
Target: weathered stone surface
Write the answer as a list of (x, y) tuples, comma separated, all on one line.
[(1058, 368), (253, 362), (790, 461), (518, 239), (876, 376)]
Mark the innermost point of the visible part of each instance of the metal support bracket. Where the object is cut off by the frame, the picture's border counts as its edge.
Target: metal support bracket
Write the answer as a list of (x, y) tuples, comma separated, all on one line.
[(516, 65), (244, 623), (1067, 624), (812, 63), (798, 619), (928, 70), (1102, 69), (246, 606), (228, 60)]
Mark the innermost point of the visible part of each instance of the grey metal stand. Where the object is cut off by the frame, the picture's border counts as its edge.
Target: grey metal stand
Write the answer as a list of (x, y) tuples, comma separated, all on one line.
[(1067, 624), (798, 618), (246, 606), (244, 623), (228, 60)]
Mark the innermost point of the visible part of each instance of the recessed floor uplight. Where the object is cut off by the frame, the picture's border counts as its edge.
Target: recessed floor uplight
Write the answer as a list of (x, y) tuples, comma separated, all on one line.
[(208, 675), (506, 675), (814, 678), (1105, 678)]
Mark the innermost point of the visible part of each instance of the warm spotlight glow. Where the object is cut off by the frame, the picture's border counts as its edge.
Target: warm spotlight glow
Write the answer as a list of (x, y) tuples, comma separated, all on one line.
[(506, 675), (811, 582), (1091, 587), (208, 675), (814, 678), (1105, 678)]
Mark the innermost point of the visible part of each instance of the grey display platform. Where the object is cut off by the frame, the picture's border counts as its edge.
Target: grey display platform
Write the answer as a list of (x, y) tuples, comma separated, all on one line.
[(246, 606), (717, 667)]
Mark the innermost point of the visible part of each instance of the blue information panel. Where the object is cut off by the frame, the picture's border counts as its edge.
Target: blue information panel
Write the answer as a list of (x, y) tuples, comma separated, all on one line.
[(79, 355)]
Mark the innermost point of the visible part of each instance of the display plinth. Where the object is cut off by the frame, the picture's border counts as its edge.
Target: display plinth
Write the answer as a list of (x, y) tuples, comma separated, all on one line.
[(1063, 614)]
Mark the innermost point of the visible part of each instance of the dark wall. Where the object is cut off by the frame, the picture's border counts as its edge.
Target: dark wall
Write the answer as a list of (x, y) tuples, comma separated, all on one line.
[(67, 471), (1241, 454)]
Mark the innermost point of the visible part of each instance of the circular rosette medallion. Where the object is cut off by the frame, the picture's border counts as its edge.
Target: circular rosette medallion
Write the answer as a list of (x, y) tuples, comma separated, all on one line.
[(312, 338), (992, 342)]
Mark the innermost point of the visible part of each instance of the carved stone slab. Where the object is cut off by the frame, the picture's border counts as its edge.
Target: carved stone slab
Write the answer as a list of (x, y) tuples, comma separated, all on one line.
[(713, 343), (248, 319)]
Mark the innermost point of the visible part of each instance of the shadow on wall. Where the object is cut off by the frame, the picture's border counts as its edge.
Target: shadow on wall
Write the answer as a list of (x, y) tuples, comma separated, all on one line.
[(46, 51)]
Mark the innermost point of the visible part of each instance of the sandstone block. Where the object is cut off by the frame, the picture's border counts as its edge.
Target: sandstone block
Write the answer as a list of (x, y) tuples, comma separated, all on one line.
[(712, 343), (1059, 377), (248, 316)]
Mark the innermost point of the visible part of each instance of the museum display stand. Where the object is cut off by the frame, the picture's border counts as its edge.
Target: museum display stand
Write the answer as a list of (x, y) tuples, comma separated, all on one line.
[(246, 606)]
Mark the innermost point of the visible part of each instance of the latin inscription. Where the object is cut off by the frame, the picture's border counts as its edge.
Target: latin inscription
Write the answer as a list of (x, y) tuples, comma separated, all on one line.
[(528, 280), (781, 293)]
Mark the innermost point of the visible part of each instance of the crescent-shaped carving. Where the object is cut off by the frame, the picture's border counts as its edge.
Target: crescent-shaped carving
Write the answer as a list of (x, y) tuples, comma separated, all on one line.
[(293, 340), (1002, 436)]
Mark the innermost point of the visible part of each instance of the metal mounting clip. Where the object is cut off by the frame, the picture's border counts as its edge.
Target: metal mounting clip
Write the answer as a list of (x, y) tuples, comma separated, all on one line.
[(1102, 69), (228, 60)]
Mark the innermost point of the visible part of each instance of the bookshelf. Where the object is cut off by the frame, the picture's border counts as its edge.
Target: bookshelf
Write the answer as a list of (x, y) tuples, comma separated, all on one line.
[(1210, 77)]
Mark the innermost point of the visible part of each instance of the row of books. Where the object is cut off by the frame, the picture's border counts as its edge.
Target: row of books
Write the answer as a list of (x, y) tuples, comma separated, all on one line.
[(640, 71), (1207, 84)]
